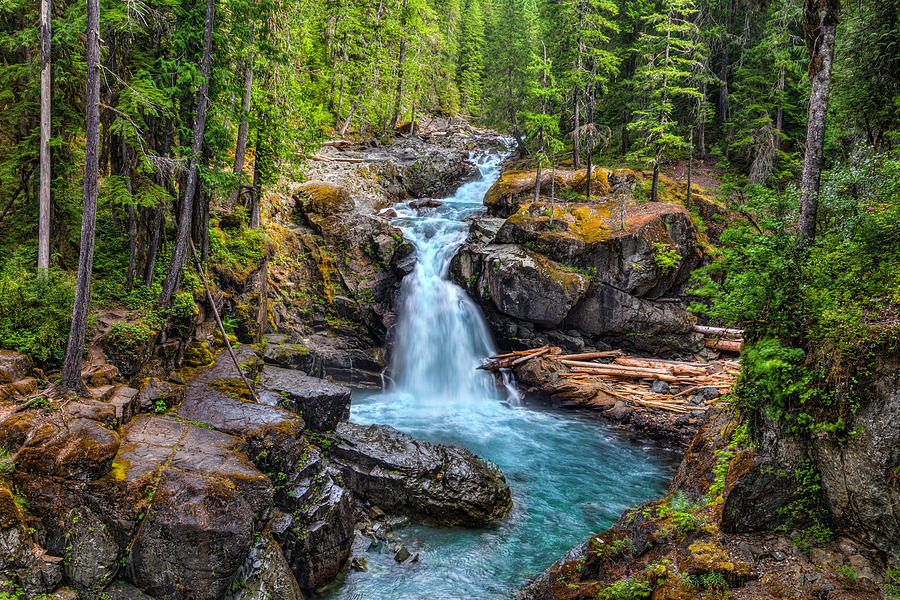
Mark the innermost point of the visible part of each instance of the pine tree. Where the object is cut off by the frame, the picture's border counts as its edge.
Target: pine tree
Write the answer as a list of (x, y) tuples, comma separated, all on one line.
[(513, 47), (670, 57), (470, 63)]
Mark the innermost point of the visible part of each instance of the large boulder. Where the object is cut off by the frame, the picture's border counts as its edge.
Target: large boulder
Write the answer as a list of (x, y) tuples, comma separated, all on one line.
[(265, 575), (522, 284), (446, 485), (322, 404), (861, 474), (193, 539), (82, 450), (316, 530), (621, 318), (438, 173)]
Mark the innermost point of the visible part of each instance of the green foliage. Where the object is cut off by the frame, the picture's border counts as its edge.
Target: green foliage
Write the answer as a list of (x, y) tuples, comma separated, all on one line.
[(7, 466), (892, 579), (666, 256), (813, 316), (130, 337), (807, 512), (633, 587), (35, 312), (238, 251)]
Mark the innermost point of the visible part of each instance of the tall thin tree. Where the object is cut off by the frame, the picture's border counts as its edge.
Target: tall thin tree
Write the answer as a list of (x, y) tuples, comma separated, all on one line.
[(820, 18), (182, 237), (71, 369), (44, 208)]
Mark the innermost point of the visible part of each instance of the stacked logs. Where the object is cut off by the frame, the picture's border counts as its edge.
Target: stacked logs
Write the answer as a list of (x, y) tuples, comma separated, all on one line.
[(721, 338), (631, 378)]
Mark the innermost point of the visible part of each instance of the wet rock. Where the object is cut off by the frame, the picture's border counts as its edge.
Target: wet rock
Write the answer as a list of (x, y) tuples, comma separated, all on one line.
[(612, 314), (438, 173), (447, 485), (425, 203), (358, 563), (83, 450), (292, 356), (265, 575), (402, 554), (193, 538), (322, 404), (524, 284), (91, 551), (318, 540)]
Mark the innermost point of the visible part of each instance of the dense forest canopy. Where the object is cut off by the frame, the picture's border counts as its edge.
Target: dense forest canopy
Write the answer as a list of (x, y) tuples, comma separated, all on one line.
[(636, 82)]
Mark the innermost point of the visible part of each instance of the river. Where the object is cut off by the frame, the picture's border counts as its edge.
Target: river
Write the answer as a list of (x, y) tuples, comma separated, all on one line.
[(570, 475)]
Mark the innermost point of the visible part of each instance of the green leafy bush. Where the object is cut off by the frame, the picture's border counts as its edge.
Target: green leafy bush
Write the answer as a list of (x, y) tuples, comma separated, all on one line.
[(813, 315), (129, 337), (35, 313), (632, 587)]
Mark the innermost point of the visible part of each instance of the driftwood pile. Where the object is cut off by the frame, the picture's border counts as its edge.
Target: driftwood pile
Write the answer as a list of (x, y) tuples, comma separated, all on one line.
[(631, 378)]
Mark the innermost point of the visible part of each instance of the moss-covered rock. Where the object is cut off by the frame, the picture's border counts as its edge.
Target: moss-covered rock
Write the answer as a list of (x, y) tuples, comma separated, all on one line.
[(198, 354)]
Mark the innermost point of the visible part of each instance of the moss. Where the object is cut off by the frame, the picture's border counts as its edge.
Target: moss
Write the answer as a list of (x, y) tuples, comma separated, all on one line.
[(197, 355), (324, 200), (119, 469)]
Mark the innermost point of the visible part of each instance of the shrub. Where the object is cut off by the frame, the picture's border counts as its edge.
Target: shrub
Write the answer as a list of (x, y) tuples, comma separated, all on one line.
[(129, 337), (35, 313)]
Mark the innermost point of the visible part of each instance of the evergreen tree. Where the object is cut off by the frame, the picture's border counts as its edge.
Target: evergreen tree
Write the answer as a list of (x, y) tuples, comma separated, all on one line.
[(670, 56), (470, 62)]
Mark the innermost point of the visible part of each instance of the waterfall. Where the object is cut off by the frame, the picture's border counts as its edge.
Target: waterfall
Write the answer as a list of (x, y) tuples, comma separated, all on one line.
[(441, 336)]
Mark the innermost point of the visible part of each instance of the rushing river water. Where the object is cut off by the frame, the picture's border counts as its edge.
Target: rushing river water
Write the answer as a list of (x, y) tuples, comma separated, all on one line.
[(569, 475)]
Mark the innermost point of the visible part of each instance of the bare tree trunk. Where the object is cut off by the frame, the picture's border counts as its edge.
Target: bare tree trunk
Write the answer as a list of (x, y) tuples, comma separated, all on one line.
[(337, 118), (576, 134), (257, 184), (132, 218), (690, 167), (158, 223), (400, 69), (819, 24), (179, 252), (779, 116), (240, 149), (43, 265), (723, 69), (654, 189), (71, 369)]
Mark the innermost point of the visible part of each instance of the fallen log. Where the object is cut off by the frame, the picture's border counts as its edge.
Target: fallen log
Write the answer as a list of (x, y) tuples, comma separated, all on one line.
[(528, 357), (729, 345), (321, 158), (615, 367), (589, 355), (707, 330)]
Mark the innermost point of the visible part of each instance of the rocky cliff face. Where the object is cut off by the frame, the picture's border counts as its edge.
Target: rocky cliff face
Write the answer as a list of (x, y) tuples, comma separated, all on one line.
[(611, 272), (191, 489), (745, 515), (859, 474)]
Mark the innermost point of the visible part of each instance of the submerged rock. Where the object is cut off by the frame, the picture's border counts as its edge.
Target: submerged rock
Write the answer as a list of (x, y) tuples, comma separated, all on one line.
[(446, 485)]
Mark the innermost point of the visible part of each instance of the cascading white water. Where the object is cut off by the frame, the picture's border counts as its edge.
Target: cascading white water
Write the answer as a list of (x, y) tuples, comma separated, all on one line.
[(568, 475), (441, 337)]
